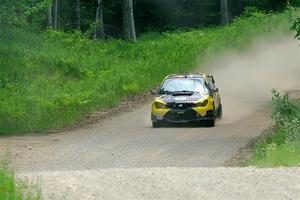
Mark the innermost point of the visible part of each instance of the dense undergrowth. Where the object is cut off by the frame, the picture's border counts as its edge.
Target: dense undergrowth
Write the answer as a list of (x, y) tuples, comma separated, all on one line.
[(281, 146), (49, 80)]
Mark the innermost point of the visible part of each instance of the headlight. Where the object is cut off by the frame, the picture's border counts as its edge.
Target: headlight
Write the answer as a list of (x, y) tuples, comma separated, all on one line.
[(159, 105), (201, 103)]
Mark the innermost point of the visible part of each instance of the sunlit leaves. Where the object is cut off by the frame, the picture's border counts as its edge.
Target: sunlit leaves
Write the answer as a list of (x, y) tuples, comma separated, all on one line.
[(296, 27)]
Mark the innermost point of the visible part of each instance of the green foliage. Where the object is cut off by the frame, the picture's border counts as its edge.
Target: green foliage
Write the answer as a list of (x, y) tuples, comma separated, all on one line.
[(275, 5), (281, 145), (51, 79), (287, 154), (252, 11), (296, 27), (10, 189), (132, 87), (22, 13), (150, 15), (283, 109)]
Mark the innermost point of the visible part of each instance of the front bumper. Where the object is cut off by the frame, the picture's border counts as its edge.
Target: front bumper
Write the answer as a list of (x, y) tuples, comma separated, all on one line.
[(182, 116)]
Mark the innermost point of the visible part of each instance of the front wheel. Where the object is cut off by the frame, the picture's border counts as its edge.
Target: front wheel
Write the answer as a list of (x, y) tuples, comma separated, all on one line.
[(156, 124), (210, 123)]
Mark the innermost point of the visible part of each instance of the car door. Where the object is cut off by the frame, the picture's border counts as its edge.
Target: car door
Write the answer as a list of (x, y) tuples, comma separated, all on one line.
[(214, 92)]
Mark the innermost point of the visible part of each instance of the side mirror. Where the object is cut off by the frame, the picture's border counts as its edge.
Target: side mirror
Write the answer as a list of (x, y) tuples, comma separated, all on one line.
[(216, 90)]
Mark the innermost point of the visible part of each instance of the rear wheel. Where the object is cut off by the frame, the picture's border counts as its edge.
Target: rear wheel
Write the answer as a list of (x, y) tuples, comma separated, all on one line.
[(220, 112)]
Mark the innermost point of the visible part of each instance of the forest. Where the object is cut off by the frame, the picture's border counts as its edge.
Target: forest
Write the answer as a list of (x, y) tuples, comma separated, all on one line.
[(128, 18), (60, 60)]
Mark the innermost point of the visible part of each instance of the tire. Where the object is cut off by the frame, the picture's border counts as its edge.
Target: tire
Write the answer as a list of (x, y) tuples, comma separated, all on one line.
[(156, 124), (220, 112), (210, 123)]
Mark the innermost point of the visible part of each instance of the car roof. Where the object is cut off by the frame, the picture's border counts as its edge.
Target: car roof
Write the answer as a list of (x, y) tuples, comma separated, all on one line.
[(189, 75)]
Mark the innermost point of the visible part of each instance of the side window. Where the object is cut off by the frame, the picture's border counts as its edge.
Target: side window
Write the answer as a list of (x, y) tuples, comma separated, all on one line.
[(211, 84)]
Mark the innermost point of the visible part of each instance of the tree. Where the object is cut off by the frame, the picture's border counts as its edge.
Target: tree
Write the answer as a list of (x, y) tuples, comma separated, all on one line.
[(252, 2), (49, 17), (150, 15), (128, 21), (224, 12), (55, 14), (240, 7), (77, 14), (99, 24)]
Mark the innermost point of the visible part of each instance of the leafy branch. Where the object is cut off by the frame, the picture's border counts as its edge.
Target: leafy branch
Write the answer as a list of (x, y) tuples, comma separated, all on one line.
[(296, 27)]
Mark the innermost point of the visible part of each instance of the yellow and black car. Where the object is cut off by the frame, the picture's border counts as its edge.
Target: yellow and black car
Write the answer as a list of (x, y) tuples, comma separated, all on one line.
[(187, 98)]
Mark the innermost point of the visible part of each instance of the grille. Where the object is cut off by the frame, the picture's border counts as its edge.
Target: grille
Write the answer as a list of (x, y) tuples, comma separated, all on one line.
[(187, 115), (180, 105)]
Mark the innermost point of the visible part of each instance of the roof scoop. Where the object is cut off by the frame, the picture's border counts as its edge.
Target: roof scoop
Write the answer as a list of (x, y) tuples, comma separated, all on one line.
[(183, 93)]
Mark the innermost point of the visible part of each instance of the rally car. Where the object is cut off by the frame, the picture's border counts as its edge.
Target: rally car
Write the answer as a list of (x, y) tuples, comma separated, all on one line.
[(186, 98)]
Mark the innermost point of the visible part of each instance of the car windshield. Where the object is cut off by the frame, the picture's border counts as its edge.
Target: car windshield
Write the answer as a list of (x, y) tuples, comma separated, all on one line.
[(174, 85)]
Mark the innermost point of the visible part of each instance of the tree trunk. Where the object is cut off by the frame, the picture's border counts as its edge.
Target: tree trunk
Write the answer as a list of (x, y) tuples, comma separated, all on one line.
[(49, 17), (125, 20), (99, 25), (55, 14), (241, 6), (128, 21), (224, 12), (131, 21), (77, 14)]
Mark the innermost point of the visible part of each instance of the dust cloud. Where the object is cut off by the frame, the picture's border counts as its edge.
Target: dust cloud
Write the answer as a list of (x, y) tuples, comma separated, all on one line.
[(246, 79)]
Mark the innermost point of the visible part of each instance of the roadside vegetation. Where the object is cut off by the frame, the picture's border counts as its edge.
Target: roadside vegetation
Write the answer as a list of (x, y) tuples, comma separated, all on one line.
[(280, 146), (51, 79), (11, 189)]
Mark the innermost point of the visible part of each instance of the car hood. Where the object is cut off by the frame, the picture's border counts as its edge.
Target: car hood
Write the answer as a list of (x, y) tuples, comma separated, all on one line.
[(182, 98)]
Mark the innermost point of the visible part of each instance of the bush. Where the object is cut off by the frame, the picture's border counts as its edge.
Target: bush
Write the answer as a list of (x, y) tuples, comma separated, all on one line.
[(286, 116), (280, 146)]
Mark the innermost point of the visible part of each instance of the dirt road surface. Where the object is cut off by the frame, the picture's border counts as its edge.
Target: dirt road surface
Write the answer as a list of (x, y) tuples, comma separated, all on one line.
[(120, 147), (129, 141)]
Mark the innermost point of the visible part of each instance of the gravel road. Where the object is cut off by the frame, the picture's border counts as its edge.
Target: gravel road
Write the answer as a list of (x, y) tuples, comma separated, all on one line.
[(125, 158), (129, 141)]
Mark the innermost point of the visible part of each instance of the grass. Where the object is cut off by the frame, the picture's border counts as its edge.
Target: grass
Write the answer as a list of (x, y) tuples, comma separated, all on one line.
[(10, 189), (281, 146), (287, 155), (49, 80)]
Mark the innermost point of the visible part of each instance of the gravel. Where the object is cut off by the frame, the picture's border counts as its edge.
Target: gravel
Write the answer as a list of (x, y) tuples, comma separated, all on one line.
[(170, 183), (129, 141)]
